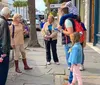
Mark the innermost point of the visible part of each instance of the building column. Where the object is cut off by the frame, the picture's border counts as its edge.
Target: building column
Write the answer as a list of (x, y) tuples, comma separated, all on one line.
[(87, 18), (73, 1)]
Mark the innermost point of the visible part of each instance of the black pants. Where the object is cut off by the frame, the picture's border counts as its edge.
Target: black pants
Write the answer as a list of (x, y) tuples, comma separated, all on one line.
[(4, 66), (51, 44)]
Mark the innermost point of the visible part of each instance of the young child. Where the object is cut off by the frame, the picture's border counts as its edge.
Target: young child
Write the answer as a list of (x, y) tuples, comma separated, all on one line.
[(75, 58), (73, 13)]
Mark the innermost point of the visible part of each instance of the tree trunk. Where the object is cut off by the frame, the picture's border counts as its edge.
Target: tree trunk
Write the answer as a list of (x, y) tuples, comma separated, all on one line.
[(48, 6), (33, 34)]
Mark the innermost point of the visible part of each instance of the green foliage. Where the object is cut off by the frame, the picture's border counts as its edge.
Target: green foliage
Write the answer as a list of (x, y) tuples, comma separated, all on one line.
[(61, 1), (54, 13), (51, 1), (20, 4), (48, 2)]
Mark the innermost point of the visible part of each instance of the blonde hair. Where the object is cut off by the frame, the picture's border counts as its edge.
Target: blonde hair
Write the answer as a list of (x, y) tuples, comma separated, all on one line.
[(63, 4), (16, 16), (75, 37), (51, 17)]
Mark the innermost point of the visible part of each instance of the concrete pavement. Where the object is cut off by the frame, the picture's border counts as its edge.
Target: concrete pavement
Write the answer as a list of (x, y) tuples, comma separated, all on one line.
[(53, 74)]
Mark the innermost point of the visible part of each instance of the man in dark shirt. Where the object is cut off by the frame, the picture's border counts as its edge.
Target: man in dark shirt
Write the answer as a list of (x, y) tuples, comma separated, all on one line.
[(4, 45)]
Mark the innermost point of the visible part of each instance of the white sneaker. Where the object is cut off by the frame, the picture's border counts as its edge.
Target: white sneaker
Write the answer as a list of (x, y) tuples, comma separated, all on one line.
[(48, 63), (68, 68), (81, 68), (57, 63)]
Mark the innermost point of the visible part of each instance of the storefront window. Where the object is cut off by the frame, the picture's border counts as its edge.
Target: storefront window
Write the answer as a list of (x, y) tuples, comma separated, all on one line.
[(98, 40), (99, 17)]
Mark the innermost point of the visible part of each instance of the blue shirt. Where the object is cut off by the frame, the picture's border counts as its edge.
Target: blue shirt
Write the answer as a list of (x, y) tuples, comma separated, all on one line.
[(50, 27), (42, 24), (76, 54)]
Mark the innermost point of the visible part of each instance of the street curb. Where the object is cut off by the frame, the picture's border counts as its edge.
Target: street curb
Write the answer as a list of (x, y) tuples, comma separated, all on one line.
[(94, 47)]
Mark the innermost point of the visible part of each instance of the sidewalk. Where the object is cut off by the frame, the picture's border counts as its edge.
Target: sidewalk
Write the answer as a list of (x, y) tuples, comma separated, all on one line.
[(53, 74)]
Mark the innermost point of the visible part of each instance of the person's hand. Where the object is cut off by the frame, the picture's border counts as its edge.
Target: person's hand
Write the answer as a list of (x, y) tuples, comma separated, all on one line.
[(3, 55), (63, 6), (25, 31), (59, 27), (47, 37), (84, 44), (1, 60), (13, 46)]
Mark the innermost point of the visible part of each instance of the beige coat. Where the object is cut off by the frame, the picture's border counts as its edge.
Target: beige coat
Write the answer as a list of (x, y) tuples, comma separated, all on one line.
[(18, 35), (45, 30)]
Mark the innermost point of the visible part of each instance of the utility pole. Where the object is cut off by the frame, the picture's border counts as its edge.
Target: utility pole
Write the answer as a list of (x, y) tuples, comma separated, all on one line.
[(33, 34)]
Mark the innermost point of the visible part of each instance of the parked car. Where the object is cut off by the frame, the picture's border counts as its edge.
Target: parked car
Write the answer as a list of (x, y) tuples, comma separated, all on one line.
[(37, 24), (28, 22)]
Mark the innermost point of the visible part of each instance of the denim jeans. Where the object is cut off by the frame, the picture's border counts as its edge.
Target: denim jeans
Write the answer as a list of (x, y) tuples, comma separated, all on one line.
[(70, 79), (67, 47), (4, 67), (83, 58)]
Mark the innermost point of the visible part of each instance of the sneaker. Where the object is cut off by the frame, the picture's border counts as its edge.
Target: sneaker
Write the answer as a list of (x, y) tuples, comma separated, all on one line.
[(81, 68), (68, 68), (48, 63), (57, 63)]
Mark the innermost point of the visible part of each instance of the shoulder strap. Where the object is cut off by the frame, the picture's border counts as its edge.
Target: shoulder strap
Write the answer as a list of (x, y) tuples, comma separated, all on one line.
[(72, 24), (13, 30)]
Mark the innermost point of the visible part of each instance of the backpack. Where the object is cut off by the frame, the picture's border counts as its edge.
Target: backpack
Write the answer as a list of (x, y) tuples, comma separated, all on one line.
[(77, 27)]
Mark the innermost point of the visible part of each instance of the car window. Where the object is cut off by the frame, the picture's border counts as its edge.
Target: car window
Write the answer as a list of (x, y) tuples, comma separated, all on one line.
[(37, 21)]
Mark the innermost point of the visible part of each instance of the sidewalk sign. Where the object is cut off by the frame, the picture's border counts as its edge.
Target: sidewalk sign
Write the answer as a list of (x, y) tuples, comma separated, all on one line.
[(55, 5)]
